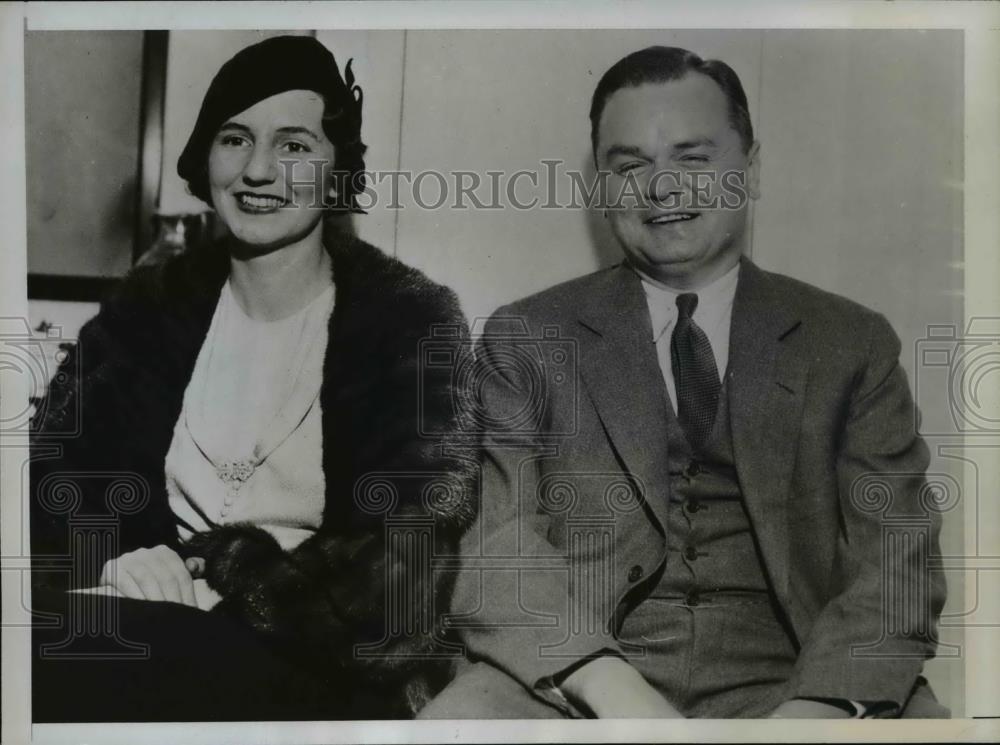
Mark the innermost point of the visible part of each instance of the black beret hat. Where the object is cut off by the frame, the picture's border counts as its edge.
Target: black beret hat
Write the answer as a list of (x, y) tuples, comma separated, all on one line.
[(272, 66)]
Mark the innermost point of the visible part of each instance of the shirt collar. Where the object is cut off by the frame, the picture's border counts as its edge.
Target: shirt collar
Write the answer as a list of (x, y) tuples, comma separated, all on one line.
[(714, 300)]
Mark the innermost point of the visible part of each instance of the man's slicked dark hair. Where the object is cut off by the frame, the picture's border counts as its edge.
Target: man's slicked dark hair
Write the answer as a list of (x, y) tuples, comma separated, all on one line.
[(663, 64)]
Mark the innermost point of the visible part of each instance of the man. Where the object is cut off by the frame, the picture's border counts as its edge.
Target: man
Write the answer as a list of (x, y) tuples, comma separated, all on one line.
[(685, 532)]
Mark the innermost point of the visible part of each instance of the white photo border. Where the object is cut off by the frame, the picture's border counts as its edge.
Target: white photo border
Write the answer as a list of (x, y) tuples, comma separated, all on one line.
[(981, 25)]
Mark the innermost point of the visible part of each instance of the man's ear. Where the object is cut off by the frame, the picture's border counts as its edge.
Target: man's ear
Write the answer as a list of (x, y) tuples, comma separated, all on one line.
[(753, 170)]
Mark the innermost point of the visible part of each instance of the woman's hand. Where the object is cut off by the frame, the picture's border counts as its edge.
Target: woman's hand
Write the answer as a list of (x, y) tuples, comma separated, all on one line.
[(205, 597), (153, 574)]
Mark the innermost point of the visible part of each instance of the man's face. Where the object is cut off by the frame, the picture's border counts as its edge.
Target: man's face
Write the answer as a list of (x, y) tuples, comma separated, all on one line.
[(654, 139)]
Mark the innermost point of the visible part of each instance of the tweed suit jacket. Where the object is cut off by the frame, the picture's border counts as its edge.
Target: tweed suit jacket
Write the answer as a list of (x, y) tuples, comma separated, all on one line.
[(571, 530)]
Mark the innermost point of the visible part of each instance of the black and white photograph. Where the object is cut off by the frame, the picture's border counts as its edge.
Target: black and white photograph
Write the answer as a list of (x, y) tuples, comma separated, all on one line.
[(379, 375)]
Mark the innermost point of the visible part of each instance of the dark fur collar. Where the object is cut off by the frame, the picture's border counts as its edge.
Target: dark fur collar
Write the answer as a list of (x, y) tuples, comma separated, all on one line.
[(137, 356)]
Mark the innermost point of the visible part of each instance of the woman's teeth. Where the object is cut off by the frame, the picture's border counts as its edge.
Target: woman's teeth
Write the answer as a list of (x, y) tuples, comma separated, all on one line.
[(260, 202)]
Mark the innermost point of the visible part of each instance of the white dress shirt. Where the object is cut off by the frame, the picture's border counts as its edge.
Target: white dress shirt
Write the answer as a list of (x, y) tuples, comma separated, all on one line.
[(713, 315)]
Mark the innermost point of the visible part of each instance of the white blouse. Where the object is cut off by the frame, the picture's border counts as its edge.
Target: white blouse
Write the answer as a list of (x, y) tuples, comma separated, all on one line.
[(248, 444)]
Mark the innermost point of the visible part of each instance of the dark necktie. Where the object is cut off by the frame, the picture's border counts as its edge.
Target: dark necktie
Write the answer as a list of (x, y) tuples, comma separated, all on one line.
[(695, 376)]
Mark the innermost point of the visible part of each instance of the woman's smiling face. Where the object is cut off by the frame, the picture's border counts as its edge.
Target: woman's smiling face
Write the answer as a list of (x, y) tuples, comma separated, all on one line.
[(270, 169)]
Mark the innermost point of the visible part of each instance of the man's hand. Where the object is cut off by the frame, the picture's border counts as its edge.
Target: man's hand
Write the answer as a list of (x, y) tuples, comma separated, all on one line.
[(799, 708), (152, 574), (613, 689)]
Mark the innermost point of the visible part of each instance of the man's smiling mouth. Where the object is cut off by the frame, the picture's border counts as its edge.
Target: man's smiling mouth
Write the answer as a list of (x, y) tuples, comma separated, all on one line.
[(671, 218)]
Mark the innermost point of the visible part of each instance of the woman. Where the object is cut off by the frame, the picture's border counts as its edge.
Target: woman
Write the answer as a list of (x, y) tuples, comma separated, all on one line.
[(261, 396)]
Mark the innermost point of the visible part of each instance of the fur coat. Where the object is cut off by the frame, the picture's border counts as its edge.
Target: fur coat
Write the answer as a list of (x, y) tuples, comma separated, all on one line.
[(382, 413)]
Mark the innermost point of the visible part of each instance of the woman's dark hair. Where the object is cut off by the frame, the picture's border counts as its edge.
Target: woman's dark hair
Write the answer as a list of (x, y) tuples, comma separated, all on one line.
[(663, 64), (276, 65)]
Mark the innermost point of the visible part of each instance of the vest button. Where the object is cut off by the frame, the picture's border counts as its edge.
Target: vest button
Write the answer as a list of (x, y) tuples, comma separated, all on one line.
[(694, 468), (692, 598), (690, 553), (692, 504), (635, 573)]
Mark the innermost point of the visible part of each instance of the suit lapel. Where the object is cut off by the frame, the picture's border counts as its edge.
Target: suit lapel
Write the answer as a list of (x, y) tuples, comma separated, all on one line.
[(767, 382), (623, 379)]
